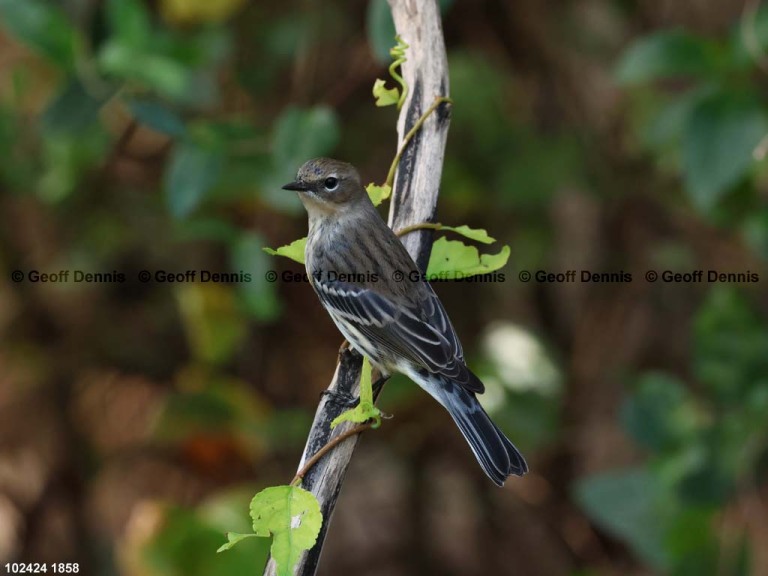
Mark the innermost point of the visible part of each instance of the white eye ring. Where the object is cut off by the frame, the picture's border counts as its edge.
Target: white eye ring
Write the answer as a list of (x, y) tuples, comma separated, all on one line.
[(331, 183)]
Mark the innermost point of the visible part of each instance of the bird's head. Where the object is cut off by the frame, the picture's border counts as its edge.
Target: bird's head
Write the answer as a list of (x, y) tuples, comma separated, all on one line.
[(327, 185)]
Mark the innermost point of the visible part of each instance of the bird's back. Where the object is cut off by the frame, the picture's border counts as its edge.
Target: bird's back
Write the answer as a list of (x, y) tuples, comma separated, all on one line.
[(364, 249)]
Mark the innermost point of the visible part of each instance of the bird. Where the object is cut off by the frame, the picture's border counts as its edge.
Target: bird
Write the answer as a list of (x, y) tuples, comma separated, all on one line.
[(387, 310)]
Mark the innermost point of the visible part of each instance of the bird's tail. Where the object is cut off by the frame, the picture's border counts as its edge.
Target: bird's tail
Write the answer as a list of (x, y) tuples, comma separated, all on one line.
[(496, 454)]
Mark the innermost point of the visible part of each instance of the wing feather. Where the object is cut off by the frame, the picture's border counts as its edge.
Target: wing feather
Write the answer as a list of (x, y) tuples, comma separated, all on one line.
[(420, 333)]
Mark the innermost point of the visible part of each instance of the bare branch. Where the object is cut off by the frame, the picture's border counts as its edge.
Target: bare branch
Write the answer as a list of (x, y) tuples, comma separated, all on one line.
[(426, 72), (414, 200)]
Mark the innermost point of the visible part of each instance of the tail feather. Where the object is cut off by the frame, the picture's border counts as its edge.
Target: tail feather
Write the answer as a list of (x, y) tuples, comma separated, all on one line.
[(498, 457)]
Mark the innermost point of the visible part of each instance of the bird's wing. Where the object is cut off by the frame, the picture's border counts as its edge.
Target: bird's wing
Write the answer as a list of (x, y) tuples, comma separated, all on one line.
[(436, 316), (420, 333)]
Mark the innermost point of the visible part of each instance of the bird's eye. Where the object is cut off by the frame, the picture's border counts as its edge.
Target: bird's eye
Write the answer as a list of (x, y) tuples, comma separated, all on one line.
[(331, 183)]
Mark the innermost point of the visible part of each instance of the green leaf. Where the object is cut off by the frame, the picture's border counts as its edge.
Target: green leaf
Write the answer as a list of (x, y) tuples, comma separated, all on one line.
[(233, 538), (381, 29), (385, 96), (476, 234), (258, 294), (365, 410), (42, 26), (158, 72), (129, 22), (628, 505), (180, 67), (158, 117), (452, 259), (193, 170), (366, 387), (660, 414), (294, 250), (660, 127), (667, 54), (721, 134), (378, 193), (72, 111), (730, 346), (303, 133), (291, 515)]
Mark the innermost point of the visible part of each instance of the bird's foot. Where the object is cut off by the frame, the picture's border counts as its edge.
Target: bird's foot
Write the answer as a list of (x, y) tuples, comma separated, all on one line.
[(341, 398)]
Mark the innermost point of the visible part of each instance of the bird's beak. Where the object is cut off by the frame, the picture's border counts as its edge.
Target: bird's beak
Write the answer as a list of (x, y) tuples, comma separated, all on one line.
[(296, 186)]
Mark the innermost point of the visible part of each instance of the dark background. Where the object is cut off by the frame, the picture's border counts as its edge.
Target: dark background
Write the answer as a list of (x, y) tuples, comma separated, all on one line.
[(138, 419)]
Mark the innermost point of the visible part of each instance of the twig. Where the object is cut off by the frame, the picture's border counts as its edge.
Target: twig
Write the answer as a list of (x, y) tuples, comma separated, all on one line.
[(411, 133), (420, 226), (398, 53), (359, 429)]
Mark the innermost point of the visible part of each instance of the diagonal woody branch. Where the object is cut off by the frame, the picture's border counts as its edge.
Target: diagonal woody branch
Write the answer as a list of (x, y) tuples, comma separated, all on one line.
[(414, 200)]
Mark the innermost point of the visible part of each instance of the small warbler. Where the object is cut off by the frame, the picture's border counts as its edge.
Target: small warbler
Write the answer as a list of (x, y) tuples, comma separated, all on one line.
[(378, 299)]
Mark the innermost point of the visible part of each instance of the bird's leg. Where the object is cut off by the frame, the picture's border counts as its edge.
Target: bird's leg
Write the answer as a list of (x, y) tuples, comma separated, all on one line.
[(347, 400), (340, 396)]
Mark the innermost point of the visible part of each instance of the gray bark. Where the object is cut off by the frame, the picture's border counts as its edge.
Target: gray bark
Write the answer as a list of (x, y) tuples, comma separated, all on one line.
[(414, 200)]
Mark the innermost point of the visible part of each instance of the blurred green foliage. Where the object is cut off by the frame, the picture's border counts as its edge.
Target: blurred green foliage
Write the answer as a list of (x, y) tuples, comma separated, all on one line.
[(124, 68), (696, 106), (182, 545), (707, 450), (700, 111), (165, 78)]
